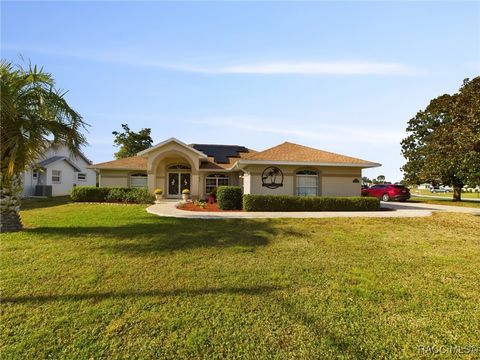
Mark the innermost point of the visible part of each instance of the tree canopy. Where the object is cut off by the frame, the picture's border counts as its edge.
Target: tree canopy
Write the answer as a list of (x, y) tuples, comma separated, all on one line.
[(131, 142), (34, 116), (443, 142)]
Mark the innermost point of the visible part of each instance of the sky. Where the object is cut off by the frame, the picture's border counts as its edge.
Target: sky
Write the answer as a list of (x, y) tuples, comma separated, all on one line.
[(339, 76)]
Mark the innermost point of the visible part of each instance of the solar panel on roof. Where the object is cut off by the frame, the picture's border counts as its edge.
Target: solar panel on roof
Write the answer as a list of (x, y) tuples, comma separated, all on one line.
[(220, 153)]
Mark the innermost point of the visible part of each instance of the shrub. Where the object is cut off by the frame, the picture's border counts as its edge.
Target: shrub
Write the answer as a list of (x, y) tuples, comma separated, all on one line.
[(229, 197), (89, 193), (309, 203), (104, 194), (186, 191), (138, 196), (158, 192)]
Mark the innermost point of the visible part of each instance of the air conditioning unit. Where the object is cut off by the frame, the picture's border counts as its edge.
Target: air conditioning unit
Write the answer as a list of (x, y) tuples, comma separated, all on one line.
[(43, 190)]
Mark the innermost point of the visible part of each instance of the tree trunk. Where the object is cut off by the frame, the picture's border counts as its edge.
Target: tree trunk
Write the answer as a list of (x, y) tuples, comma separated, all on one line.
[(457, 193), (10, 205)]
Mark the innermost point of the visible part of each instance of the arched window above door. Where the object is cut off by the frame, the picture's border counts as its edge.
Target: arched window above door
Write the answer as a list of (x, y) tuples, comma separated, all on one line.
[(179, 167)]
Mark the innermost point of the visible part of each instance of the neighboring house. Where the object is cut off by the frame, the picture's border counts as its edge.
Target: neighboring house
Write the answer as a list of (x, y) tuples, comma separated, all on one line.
[(61, 170), (287, 168)]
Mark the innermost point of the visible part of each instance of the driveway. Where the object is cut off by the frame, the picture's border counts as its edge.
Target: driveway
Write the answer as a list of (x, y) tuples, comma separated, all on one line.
[(391, 209)]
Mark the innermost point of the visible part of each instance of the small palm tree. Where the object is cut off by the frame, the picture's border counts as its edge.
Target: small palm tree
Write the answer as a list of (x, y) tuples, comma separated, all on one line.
[(34, 116)]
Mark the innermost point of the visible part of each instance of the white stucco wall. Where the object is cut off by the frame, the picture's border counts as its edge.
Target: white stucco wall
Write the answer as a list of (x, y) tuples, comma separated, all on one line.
[(69, 177)]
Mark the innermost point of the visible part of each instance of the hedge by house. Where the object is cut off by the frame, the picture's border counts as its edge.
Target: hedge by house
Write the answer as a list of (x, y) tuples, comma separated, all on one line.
[(229, 197), (104, 194), (309, 203)]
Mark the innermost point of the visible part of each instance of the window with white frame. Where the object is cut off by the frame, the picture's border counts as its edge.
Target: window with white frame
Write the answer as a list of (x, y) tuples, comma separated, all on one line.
[(82, 177), (56, 176), (138, 180), (215, 180), (307, 183), (35, 174)]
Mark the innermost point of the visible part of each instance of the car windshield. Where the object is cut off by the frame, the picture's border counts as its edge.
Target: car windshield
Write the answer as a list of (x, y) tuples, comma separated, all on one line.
[(399, 186)]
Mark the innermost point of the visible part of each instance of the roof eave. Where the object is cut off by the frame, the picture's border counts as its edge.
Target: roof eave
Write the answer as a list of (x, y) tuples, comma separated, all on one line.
[(175, 140), (93, 167), (305, 163)]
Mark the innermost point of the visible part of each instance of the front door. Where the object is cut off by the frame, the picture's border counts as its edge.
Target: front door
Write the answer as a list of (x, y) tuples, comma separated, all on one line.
[(176, 183)]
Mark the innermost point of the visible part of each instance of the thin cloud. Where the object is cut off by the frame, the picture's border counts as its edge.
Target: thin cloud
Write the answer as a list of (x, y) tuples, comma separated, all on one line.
[(319, 132), (340, 67), (320, 68)]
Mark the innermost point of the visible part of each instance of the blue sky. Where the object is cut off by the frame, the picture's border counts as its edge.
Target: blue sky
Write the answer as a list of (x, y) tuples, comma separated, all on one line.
[(339, 76)]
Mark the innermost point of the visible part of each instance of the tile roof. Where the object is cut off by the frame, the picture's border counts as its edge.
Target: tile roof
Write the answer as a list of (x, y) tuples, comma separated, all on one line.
[(284, 152), (129, 163), (299, 153)]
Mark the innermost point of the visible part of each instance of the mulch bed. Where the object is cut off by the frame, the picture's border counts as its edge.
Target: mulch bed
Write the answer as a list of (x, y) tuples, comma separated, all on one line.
[(190, 206)]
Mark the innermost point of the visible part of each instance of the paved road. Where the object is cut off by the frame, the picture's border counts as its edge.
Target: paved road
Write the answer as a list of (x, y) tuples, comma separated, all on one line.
[(393, 209)]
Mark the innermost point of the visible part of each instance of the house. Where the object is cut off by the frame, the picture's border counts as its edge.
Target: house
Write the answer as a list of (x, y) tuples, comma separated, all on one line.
[(287, 169), (57, 172)]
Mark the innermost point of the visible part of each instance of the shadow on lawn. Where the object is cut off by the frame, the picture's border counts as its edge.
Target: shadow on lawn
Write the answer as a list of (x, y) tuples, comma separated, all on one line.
[(254, 290), (30, 204), (172, 234)]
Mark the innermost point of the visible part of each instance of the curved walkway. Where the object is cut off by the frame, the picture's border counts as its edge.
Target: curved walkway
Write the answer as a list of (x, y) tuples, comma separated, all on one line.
[(169, 209)]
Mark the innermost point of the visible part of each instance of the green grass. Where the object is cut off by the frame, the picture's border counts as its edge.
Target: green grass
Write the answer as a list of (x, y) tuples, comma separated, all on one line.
[(465, 195), (97, 281), (448, 202)]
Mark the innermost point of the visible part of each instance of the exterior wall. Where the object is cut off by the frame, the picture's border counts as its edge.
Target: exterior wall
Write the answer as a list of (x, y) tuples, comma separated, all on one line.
[(28, 183), (69, 177), (332, 181), (340, 186), (114, 178), (339, 181)]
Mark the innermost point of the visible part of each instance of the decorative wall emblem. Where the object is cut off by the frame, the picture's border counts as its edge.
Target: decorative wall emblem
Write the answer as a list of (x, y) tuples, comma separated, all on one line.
[(272, 177)]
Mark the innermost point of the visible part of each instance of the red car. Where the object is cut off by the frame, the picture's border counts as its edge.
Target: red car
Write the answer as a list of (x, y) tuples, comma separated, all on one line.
[(388, 192)]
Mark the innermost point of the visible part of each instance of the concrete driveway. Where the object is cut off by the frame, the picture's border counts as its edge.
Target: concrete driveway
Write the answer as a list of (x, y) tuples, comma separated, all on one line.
[(391, 209)]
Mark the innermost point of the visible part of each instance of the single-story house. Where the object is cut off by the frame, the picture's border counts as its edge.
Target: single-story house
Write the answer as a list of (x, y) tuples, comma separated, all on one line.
[(57, 172), (287, 169)]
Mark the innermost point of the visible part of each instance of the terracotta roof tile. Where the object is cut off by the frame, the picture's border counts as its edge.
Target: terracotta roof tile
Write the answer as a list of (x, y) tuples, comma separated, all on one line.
[(299, 153), (129, 163)]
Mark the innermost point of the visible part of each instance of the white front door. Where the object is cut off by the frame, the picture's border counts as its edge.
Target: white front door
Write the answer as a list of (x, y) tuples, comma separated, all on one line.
[(177, 182)]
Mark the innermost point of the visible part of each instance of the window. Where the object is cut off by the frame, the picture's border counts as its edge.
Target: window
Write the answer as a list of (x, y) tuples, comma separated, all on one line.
[(35, 174), (179, 167), (138, 180), (215, 180), (307, 183), (82, 177), (56, 176)]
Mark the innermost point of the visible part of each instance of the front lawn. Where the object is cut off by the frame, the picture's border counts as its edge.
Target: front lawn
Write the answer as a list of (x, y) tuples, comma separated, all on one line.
[(465, 195), (448, 202), (97, 281)]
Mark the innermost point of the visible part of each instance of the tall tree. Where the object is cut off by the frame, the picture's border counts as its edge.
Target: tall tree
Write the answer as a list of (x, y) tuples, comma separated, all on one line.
[(443, 145), (34, 116), (131, 142)]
